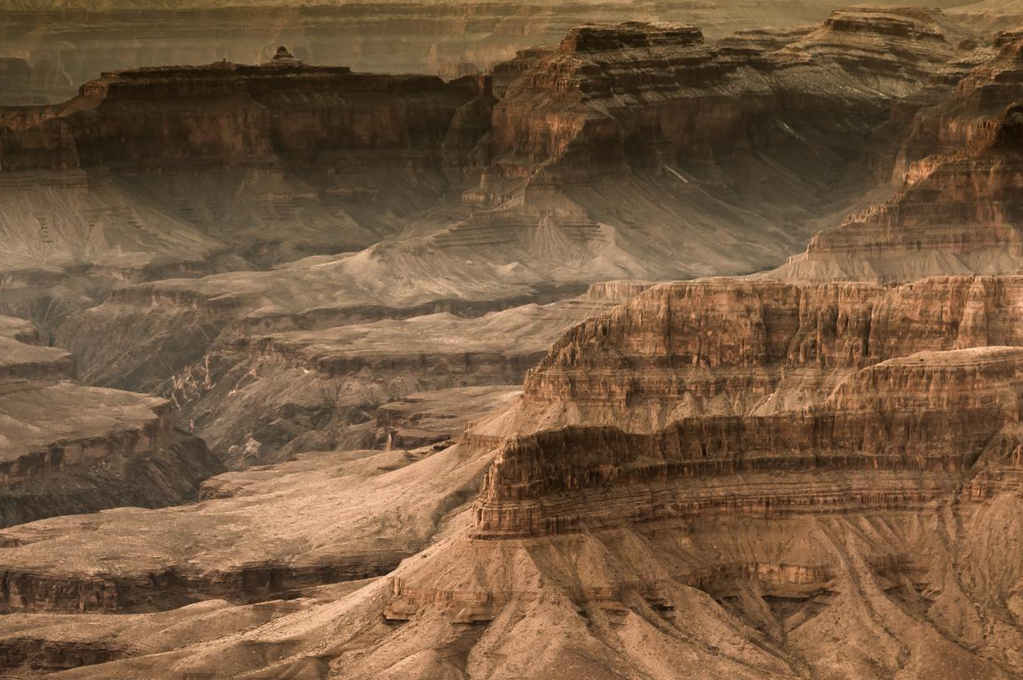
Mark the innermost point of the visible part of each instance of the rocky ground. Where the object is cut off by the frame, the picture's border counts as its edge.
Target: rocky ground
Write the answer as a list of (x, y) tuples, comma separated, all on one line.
[(468, 435)]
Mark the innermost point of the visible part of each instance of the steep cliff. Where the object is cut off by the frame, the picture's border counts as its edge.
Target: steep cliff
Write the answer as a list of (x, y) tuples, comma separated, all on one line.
[(154, 172), (725, 377), (956, 210)]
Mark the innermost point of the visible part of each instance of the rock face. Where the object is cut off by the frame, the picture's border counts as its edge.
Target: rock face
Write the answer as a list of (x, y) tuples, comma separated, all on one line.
[(247, 114), (256, 161), (340, 375), (67, 449), (585, 105), (695, 381), (956, 210)]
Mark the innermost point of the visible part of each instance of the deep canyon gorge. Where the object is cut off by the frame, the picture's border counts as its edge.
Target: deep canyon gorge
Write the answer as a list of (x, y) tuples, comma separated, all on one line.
[(498, 341)]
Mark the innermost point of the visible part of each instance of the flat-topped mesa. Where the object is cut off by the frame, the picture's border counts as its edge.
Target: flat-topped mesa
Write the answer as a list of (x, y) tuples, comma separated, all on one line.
[(630, 35), (908, 42), (68, 449), (24, 356), (914, 23), (231, 114)]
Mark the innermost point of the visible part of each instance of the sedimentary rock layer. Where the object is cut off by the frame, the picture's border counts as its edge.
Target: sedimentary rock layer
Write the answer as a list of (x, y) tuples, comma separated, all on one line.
[(338, 376), (659, 403), (158, 172), (69, 449), (957, 209)]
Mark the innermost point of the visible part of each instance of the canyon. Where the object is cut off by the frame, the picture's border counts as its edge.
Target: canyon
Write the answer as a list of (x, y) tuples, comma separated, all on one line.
[(65, 43), (623, 350), (68, 448)]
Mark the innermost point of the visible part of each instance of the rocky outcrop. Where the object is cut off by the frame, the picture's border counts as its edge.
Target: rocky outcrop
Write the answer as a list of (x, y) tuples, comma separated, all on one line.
[(726, 345), (655, 406), (338, 376), (655, 95), (151, 173), (898, 434), (956, 209), (67, 449)]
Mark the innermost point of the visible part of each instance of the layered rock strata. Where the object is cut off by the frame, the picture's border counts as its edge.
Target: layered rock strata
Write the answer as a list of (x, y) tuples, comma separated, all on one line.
[(956, 210), (337, 377), (67, 449), (582, 105), (729, 379)]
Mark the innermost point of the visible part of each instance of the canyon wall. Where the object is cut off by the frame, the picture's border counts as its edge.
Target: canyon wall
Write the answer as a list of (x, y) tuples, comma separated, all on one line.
[(956, 208), (656, 405), (68, 449)]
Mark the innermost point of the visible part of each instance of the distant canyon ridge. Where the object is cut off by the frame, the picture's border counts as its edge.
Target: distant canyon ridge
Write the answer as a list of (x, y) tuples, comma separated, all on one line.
[(48, 48)]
